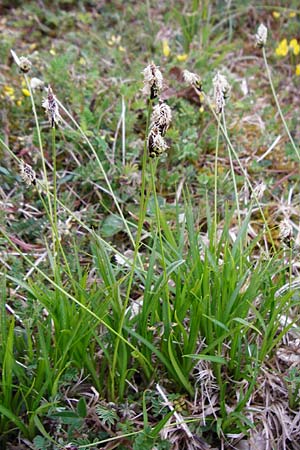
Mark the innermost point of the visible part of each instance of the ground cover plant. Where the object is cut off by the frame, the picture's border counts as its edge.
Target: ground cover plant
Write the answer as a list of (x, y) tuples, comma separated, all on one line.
[(149, 225)]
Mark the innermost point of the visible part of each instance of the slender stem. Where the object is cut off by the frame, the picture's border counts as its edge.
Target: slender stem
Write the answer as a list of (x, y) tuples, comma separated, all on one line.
[(216, 185), (232, 173), (278, 105), (5, 146), (55, 229), (123, 131), (40, 143), (242, 169), (167, 326), (137, 243), (54, 177), (110, 189), (57, 240)]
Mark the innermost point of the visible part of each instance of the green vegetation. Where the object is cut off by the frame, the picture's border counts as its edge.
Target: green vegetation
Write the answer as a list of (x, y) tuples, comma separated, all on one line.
[(149, 263)]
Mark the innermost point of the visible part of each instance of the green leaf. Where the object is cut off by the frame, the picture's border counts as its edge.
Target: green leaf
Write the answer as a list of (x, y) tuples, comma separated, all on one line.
[(81, 408), (42, 430), (111, 226), (155, 431), (11, 416), (212, 358), (40, 443), (183, 379), (216, 322), (247, 324), (107, 415)]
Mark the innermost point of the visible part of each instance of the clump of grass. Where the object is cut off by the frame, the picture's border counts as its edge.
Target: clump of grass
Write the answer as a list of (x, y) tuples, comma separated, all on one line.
[(187, 298)]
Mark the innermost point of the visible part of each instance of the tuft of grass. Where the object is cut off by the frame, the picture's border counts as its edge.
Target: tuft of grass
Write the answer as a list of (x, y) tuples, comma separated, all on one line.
[(151, 270)]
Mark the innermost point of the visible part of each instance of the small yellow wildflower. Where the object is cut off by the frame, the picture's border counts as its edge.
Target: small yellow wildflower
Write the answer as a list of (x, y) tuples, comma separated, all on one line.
[(295, 46), (166, 48), (52, 52), (82, 61), (276, 14), (9, 92), (26, 92), (114, 40), (182, 57), (282, 49), (19, 102), (298, 70), (122, 49), (292, 14)]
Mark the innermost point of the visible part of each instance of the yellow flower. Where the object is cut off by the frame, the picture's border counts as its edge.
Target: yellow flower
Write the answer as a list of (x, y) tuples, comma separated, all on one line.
[(26, 92), (276, 14), (82, 61), (292, 14), (182, 57), (114, 40), (19, 102), (295, 46), (166, 48), (52, 51), (282, 49), (298, 70), (9, 91), (201, 97), (122, 49)]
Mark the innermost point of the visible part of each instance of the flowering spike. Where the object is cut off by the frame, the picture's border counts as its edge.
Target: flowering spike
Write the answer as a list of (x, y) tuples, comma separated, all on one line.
[(286, 231), (221, 91), (259, 190), (153, 81), (261, 35), (193, 79), (36, 83), (156, 143), (51, 108), (27, 173), (160, 121), (161, 117), (23, 63)]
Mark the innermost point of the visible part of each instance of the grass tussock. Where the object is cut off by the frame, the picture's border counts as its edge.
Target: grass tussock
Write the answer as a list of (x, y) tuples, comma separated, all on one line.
[(149, 227)]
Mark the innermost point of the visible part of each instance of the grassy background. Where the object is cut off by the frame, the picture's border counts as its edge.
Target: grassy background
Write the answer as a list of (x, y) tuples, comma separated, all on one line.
[(135, 290)]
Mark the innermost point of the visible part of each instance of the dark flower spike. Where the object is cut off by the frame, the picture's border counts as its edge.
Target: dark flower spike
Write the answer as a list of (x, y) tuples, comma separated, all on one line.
[(51, 107)]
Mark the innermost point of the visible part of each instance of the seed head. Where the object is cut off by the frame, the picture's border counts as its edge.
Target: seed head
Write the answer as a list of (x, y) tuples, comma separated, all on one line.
[(193, 79), (161, 117), (27, 173), (259, 190), (221, 91), (23, 63), (285, 230), (51, 107), (153, 81), (36, 83), (156, 143), (261, 35)]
